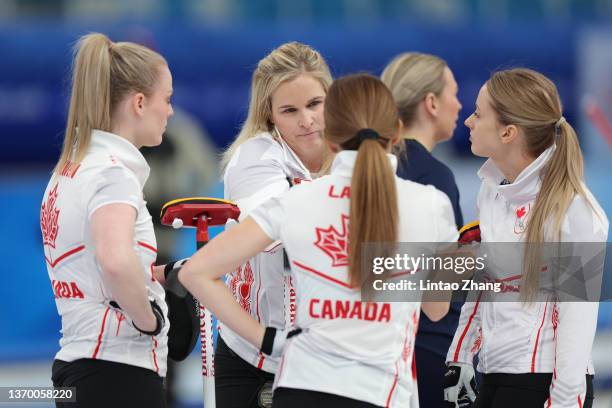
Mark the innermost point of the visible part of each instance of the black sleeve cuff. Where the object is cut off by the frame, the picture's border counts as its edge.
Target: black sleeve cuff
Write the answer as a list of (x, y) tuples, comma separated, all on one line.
[(268, 341), (169, 267)]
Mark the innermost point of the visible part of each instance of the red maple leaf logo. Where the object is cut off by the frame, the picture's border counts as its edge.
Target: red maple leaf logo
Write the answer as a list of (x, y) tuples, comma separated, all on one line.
[(520, 212), (48, 219), (334, 243)]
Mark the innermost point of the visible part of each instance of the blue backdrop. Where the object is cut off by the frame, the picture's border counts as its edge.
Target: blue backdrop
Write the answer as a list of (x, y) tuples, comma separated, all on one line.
[(212, 67)]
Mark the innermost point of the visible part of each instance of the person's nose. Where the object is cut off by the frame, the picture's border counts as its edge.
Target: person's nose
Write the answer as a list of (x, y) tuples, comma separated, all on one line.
[(468, 122), (306, 120)]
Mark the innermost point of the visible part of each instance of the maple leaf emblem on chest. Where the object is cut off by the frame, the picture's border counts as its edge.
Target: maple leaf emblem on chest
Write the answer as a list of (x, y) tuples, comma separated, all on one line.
[(334, 243), (48, 219), (520, 224)]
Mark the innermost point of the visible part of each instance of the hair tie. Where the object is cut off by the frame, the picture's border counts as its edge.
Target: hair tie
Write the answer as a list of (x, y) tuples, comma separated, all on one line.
[(367, 133), (558, 124)]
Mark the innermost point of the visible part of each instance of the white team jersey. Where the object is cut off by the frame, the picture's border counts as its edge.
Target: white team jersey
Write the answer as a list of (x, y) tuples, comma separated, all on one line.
[(262, 167), (348, 347), (545, 336), (113, 171)]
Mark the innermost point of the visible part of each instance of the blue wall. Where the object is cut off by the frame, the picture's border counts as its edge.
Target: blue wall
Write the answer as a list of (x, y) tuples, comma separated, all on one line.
[(212, 67)]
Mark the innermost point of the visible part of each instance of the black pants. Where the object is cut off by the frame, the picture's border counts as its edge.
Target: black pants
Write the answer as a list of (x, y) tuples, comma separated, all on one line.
[(237, 383), (295, 398), (521, 390), (105, 384), (430, 378)]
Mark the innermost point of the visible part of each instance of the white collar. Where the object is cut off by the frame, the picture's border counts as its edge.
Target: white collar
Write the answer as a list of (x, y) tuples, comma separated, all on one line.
[(344, 162), (121, 149), (526, 185), (295, 159)]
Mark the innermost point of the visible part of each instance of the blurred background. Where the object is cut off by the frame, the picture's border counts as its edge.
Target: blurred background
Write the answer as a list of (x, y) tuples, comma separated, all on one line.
[(212, 46)]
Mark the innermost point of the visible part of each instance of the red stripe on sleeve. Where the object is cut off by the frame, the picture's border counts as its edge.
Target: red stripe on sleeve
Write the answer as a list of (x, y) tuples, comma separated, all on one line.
[(148, 246)]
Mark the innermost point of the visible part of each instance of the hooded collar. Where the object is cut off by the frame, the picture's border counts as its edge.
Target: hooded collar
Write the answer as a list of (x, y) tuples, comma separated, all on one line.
[(344, 162), (121, 149), (526, 185)]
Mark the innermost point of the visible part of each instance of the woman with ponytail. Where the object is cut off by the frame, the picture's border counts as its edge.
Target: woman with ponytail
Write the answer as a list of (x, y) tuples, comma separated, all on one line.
[(344, 351), (534, 348), (280, 144), (97, 233)]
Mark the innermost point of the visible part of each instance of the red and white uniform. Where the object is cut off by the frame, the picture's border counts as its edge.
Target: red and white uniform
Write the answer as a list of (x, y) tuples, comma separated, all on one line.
[(348, 347), (113, 171), (261, 168), (545, 336)]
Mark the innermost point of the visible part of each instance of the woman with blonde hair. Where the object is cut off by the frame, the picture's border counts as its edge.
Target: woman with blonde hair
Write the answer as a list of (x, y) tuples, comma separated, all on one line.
[(425, 92), (280, 145), (97, 233), (535, 347), (343, 351)]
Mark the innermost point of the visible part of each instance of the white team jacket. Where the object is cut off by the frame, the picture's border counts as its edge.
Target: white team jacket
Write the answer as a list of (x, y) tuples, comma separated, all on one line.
[(348, 347), (113, 171), (261, 168), (546, 336)]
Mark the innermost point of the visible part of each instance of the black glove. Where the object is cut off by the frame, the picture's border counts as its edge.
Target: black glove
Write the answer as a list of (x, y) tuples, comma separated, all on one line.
[(159, 318), (183, 314), (171, 271), (459, 386)]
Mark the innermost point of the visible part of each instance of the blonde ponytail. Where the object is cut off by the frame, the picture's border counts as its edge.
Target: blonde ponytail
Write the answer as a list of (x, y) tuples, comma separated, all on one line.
[(530, 100), (354, 104), (373, 216), (103, 73), (561, 182)]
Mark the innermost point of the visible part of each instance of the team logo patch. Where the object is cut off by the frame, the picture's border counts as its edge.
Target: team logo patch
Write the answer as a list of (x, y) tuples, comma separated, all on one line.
[(293, 181), (48, 219), (241, 283), (520, 224), (334, 243)]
